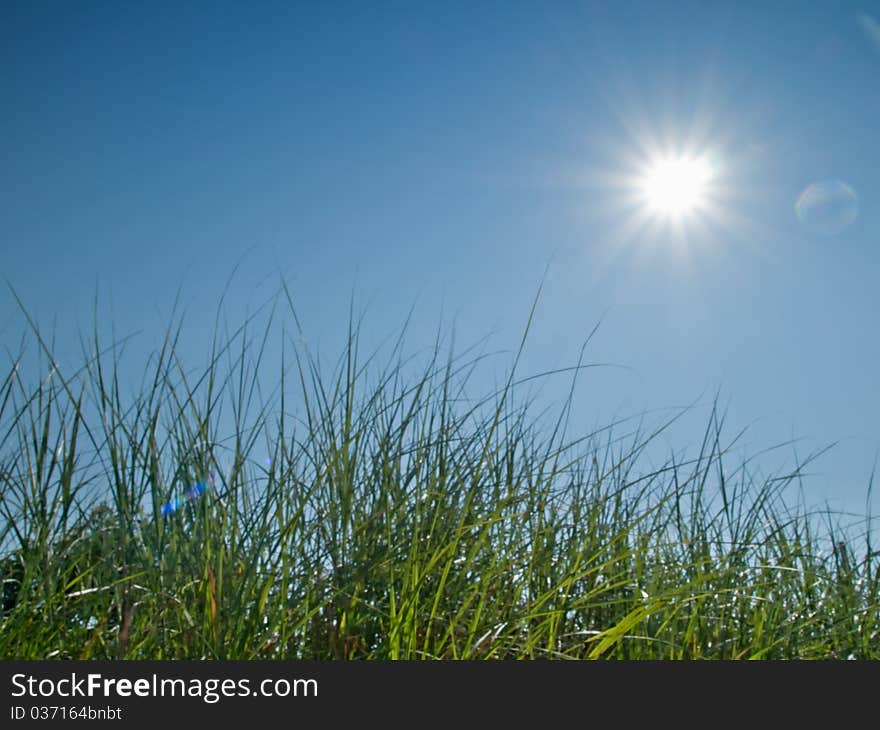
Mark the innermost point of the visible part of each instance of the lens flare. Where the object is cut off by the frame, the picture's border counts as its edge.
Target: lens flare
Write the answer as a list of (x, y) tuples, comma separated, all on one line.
[(194, 491), (827, 207)]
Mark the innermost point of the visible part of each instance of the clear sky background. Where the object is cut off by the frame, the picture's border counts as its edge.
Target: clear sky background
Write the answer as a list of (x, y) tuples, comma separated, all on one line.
[(445, 154)]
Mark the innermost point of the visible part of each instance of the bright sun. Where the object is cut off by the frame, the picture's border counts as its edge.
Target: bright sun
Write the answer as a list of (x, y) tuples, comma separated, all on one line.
[(675, 187)]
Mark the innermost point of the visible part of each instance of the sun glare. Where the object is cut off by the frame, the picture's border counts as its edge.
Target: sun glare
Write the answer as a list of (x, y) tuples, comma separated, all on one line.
[(676, 187)]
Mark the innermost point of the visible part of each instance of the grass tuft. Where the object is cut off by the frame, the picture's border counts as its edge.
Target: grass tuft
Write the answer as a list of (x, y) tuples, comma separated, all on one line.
[(394, 518)]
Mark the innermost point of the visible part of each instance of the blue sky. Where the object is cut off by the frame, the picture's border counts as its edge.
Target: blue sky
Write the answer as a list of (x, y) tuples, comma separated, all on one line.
[(445, 154)]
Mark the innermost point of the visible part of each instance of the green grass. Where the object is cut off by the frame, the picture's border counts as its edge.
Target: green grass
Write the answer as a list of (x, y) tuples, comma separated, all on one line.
[(399, 518)]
